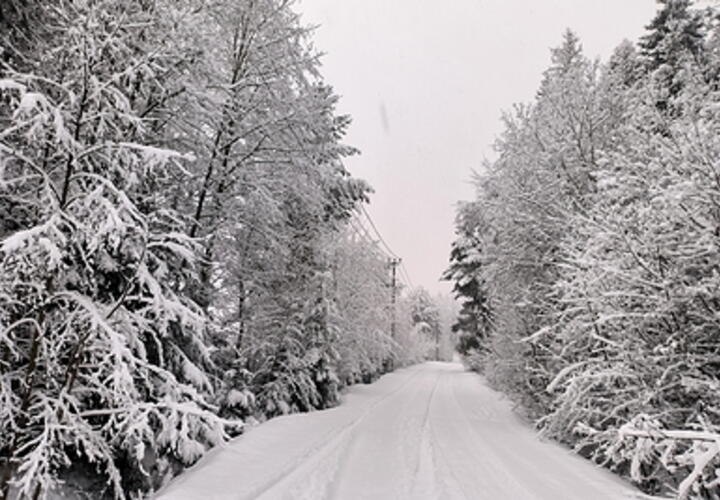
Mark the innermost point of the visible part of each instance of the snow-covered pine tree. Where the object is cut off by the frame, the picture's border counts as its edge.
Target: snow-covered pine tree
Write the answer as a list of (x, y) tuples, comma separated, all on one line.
[(674, 40), (102, 352), (676, 32), (474, 321)]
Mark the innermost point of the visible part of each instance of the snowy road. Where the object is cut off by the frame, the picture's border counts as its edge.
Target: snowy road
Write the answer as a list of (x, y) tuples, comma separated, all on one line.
[(432, 431)]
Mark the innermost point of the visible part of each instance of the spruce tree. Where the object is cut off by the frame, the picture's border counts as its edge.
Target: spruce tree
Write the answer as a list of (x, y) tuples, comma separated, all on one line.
[(474, 320), (674, 41), (675, 32)]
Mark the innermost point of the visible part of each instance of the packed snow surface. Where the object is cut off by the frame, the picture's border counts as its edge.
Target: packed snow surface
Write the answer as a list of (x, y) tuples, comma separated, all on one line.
[(431, 431)]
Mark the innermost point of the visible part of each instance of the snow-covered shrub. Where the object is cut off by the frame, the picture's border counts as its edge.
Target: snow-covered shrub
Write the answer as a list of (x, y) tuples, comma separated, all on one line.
[(655, 454)]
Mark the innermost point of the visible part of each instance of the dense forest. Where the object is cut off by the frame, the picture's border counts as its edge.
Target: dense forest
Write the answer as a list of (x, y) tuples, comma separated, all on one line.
[(588, 262), (184, 254), (181, 249)]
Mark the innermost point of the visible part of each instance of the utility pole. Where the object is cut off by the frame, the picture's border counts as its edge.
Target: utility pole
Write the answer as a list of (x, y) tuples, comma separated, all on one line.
[(394, 263)]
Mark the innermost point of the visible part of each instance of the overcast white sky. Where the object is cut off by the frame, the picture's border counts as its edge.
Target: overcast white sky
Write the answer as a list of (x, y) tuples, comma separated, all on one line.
[(426, 81)]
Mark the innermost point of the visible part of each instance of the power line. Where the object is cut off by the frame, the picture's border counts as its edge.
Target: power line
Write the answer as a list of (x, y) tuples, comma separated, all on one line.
[(395, 264), (357, 222), (380, 238), (360, 231), (403, 269)]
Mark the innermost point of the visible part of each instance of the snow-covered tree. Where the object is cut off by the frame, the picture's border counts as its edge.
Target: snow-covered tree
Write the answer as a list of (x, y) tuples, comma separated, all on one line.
[(548, 155), (360, 284), (425, 316), (103, 354), (675, 32), (172, 200), (596, 230), (674, 40), (474, 321), (642, 287)]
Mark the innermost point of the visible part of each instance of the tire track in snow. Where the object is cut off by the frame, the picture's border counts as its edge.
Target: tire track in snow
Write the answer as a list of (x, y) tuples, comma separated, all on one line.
[(318, 462), (445, 484), (430, 432), (475, 473), (424, 478), (386, 452)]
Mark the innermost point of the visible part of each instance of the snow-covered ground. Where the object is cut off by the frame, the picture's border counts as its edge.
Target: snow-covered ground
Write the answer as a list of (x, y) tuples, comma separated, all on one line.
[(431, 431)]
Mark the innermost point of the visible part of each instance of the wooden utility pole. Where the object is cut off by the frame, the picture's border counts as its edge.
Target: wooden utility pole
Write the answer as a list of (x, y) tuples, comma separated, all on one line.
[(394, 263)]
